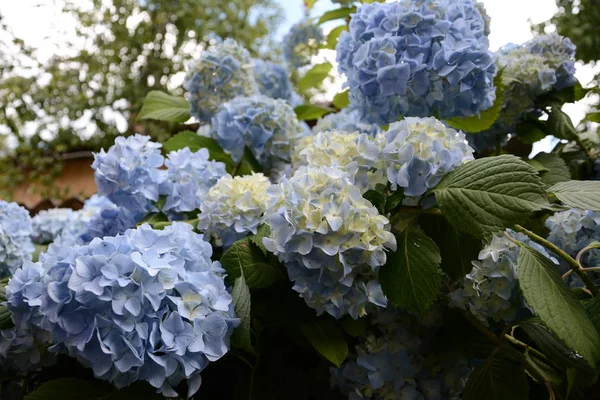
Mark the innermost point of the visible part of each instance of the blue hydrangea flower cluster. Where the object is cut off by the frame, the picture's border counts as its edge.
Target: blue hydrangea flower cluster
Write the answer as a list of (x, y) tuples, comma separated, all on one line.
[(15, 237), (419, 151), (267, 127), (85, 220), (189, 176), (490, 291), (559, 54), (416, 59), (273, 80), (347, 120), (23, 346), (396, 359), (331, 240), (572, 230), (129, 174), (218, 76), (487, 20), (356, 154), (47, 225), (301, 43), (147, 305), (234, 208)]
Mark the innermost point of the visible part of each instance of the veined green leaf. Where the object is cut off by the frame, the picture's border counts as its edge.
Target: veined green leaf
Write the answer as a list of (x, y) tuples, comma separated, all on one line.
[(578, 194), (336, 14), (309, 112), (327, 339), (241, 300), (164, 107), (315, 76)]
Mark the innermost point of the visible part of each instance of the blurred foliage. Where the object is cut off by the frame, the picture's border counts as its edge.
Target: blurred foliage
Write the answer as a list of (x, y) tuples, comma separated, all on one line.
[(579, 20), (130, 48)]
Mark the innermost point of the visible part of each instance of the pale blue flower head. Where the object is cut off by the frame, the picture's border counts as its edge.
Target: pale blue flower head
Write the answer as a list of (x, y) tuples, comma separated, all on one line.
[(559, 53), (301, 43), (147, 305), (417, 58), (572, 230), (347, 120), (396, 359), (189, 176), (219, 75), (490, 291), (129, 173), (419, 152), (47, 225), (273, 80), (84, 221), (267, 127), (234, 208), (15, 237), (21, 346), (331, 240)]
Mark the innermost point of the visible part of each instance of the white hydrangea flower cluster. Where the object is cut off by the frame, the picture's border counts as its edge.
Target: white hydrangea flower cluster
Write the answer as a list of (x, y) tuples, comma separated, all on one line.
[(234, 207), (490, 290), (330, 238), (419, 151), (357, 154)]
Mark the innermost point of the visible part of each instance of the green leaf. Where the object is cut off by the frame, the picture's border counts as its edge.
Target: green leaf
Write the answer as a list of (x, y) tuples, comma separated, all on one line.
[(394, 201), (341, 100), (486, 118), (497, 378), (326, 338), (5, 317), (411, 278), (593, 117), (559, 97), (309, 112), (552, 169), (315, 76), (549, 345), (263, 231), (338, 13), (578, 194), (153, 219), (547, 371), (39, 249), (592, 308), (458, 250), (377, 199), (531, 131), (241, 300), (196, 142), (354, 327), (247, 259), (485, 196), (68, 389), (308, 4), (332, 37), (555, 305), (164, 107), (560, 125)]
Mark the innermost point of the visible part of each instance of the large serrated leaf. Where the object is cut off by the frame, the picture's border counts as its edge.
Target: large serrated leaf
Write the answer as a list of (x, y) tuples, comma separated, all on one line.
[(486, 118), (315, 76), (411, 277), (195, 142), (554, 171), (487, 195), (549, 345), (241, 300), (578, 194), (457, 249), (497, 378), (327, 339), (164, 107), (247, 259), (555, 305), (341, 100)]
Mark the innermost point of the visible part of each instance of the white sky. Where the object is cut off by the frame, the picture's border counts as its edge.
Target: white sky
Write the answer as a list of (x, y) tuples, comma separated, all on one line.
[(41, 25)]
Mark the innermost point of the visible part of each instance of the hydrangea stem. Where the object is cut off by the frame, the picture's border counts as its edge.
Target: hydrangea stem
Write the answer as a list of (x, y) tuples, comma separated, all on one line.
[(574, 265)]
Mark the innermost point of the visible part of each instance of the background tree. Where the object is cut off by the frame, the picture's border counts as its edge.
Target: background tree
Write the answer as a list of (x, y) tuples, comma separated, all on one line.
[(83, 99)]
